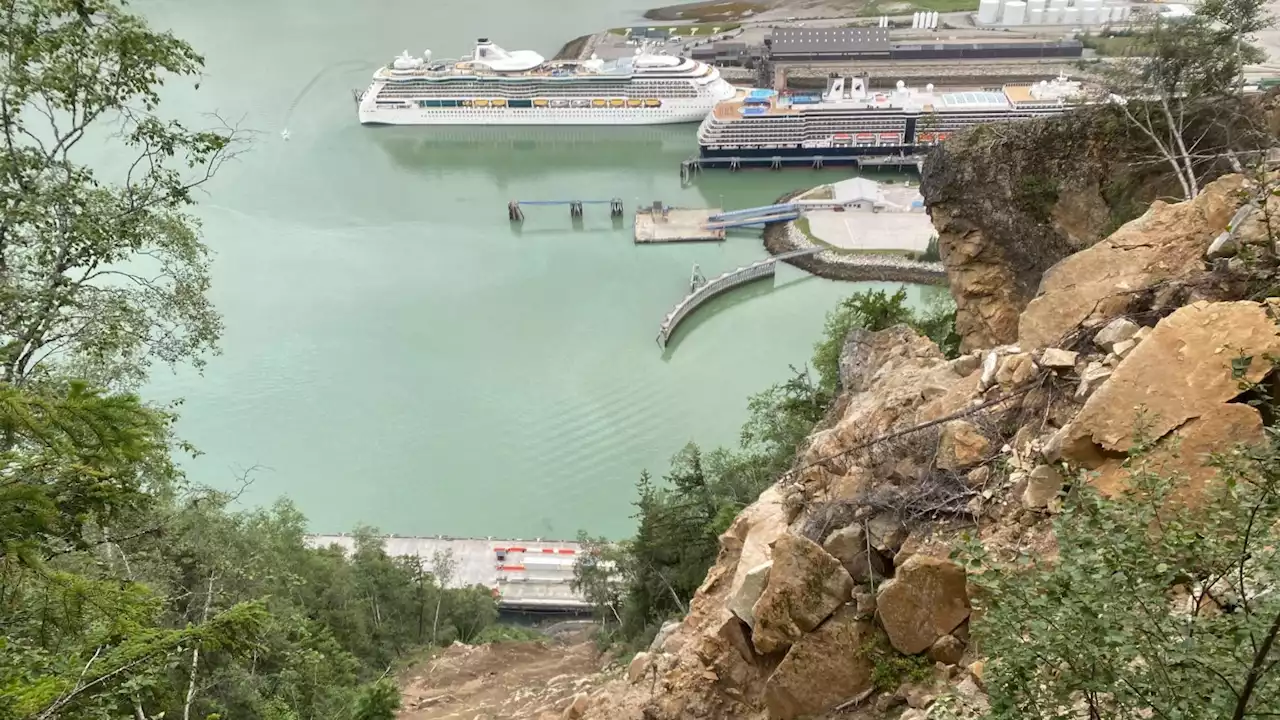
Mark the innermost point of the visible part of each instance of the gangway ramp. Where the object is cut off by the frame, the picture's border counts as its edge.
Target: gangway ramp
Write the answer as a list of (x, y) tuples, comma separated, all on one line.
[(752, 211), (750, 220)]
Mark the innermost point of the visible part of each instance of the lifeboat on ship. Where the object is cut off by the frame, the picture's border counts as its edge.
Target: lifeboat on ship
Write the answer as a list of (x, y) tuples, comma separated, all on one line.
[(480, 103), (539, 102), (498, 102), (652, 102), (617, 102), (634, 103), (598, 103)]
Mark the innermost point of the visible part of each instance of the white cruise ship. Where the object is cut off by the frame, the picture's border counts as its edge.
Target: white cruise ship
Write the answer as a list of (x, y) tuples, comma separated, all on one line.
[(492, 86), (849, 119)]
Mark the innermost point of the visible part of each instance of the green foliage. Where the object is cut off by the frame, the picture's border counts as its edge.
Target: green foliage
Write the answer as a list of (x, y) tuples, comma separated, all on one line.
[(932, 251), (508, 633), (378, 701), (889, 669), (102, 275), (874, 310), (1110, 628), (1037, 195)]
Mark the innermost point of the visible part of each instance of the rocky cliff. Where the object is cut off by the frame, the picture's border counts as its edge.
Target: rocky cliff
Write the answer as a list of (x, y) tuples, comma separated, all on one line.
[(1011, 200), (848, 555)]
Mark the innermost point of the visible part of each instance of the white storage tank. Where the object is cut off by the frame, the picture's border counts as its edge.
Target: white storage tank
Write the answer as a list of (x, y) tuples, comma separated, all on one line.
[(1015, 11), (1071, 16), (1052, 16), (933, 23), (1033, 5), (1035, 16), (988, 11)]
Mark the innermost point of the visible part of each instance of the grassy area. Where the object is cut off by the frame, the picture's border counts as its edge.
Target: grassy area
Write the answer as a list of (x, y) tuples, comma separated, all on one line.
[(1110, 45), (709, 28), (709, 12), (906, 7)]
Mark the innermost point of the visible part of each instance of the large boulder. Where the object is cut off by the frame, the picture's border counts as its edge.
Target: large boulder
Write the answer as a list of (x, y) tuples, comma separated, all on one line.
[(752, 535), (851, 546), (748, 592), (961, 445), (1190, 364), (1099, 283), (805, 586), (925, 600), (1186, 454), (824, 668)]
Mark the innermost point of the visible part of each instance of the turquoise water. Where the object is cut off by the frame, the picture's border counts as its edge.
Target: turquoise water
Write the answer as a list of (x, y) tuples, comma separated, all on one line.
[(395, 353)]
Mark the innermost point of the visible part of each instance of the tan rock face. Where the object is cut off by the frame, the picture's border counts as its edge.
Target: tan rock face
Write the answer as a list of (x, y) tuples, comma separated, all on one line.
[(851, 547), (1185, 453), (1043, 485), (925, 600), (947, 650), (1182, 370), (753, 532), (824, 668), (1097, 283), (748, 592), (805, 586), (961, 446)]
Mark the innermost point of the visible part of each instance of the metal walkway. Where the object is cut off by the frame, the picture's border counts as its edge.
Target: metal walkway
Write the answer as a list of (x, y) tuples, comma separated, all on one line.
[(718, 285)]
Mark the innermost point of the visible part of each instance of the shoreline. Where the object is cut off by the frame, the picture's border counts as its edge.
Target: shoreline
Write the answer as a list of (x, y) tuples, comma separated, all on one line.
[(854, 267)]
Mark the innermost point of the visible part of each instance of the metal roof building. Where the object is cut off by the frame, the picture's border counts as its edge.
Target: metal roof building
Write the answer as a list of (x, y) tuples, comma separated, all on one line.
[(827, 43)]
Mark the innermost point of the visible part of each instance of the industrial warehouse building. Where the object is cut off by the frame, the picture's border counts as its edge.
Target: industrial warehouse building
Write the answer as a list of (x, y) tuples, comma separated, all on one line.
[(845, 44), (791, 44)]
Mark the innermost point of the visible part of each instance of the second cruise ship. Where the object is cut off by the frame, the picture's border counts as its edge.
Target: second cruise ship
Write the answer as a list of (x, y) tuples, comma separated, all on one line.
[(493, 86), (850, 119)]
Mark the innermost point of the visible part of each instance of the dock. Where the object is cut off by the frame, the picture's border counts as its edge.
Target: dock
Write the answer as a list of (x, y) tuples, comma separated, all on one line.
[(525, 575), (698, 163), (661, 224)]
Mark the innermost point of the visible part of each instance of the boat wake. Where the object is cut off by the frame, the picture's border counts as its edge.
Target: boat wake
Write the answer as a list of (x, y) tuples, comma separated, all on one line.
[(349, 65)]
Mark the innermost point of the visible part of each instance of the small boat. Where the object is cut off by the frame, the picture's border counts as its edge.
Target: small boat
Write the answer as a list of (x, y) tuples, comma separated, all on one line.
[(464, 103), (584, 103), (617, 102), (284, 134), (480, 103), (598, 102), (651, 102), (539, 102), (556, 103), (498, 102), (634, 103)]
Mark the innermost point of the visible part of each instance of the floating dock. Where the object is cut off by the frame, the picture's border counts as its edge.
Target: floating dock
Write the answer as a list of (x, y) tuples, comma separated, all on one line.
[(705, 290), (662, 224), (524, 575)]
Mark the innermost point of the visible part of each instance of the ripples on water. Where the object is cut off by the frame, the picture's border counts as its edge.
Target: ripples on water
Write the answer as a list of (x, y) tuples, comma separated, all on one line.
[(396, 352)]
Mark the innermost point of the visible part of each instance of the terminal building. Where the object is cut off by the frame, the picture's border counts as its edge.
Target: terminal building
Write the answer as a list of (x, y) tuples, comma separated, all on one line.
[(794, 45)]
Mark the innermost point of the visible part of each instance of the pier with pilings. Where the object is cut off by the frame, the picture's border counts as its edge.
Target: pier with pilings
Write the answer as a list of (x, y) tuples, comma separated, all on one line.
[(515, 208), (702, 290), (696, 164)]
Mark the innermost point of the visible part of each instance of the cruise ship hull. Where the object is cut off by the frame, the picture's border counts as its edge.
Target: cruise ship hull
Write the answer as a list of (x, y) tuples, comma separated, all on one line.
[(670, 113)]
